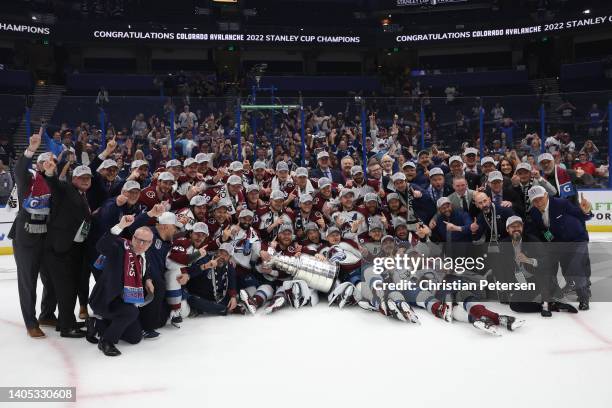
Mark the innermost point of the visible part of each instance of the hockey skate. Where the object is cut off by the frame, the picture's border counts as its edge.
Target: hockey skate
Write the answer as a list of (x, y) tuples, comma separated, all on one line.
[(401, 311), (510, 322), (247, 301), (297, 295), (364, 304), (176, 319), (343, 295), (486, 325), (277, 303), (445, 312)]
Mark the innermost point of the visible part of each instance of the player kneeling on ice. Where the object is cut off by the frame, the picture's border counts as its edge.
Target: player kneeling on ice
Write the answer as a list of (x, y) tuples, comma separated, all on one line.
[(184, 252), (288, 291), (211, 287), (390, 291), (348, 255)]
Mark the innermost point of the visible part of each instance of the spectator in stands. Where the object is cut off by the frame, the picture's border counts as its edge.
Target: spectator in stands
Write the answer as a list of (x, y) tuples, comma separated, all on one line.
[(451, 94), (591, 150), (508, 128), (6, 184), (187, 119), (567, 145), (567, 111), (532, 145), (596, 119), (497, 113), (585, 164), (139, 126), (7, 151), (102, 98)]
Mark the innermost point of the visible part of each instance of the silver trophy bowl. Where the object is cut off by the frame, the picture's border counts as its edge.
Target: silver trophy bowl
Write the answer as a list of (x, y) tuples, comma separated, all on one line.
[(319, 275)]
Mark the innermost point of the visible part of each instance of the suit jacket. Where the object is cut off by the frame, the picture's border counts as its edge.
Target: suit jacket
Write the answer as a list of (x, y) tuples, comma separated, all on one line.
[(502, 214), (510, 194), (109, 285), (100, 190), (532, 247), (567, 221), (336, 175), (458, 205), (23, 178), (68, 211), (473, 180)]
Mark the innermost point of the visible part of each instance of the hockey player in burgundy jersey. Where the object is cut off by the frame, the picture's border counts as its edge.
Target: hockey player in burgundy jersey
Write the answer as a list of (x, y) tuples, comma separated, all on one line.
[(372, 211), (184, 252), (349, 220), (370, 242), (262, 178), (189, 178), (322, 200), (220, 221), (289, 291), (362, 186), (239, 169), (161, 191), (311, 244), (253, 202), (272, 217), (196, 212), (231, 192), (305, 214)]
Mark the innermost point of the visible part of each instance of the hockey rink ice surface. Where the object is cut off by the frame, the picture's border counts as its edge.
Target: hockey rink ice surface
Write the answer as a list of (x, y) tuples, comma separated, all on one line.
[(322, 356)]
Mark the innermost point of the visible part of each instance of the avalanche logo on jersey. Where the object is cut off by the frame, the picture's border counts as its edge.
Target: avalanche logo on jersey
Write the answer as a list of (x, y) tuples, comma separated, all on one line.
[(338, 255)]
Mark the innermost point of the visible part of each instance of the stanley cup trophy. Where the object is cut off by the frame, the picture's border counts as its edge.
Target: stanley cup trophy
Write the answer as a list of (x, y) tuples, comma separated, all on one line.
[(319, 275)]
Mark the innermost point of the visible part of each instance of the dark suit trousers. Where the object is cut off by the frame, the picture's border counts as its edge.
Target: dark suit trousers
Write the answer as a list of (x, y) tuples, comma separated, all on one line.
[(155, 314), (65, 269), (121, 323), (29, 260)]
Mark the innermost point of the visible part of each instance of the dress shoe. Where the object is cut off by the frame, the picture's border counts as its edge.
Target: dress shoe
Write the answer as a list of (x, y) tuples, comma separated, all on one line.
[(36, 333), (583, 305), (47, 321), (83, 313), (78, 325), (73, 334), (108, 348), (91, 330)]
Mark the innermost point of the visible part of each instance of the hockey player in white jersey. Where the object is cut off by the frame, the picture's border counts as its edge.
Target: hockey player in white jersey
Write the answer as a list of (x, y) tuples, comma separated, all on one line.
[(451, 305)]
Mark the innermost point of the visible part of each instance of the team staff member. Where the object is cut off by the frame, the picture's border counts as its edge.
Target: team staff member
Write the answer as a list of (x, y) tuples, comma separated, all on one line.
[(65, 253), (28, 235), (562, 224), (121, 289)]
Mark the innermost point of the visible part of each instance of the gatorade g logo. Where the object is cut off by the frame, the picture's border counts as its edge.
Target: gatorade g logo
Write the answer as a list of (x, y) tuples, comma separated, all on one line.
[(567, 190)]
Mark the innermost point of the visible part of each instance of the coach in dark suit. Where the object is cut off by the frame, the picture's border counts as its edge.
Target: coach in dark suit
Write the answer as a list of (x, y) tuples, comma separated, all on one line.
[(115, 299), (28, 235), (68, 228), (324, 170), (560, 222)]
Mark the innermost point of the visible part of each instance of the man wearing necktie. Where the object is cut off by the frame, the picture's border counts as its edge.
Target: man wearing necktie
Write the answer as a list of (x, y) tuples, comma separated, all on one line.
[(502, 196), (561, 225), (68, 229)]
